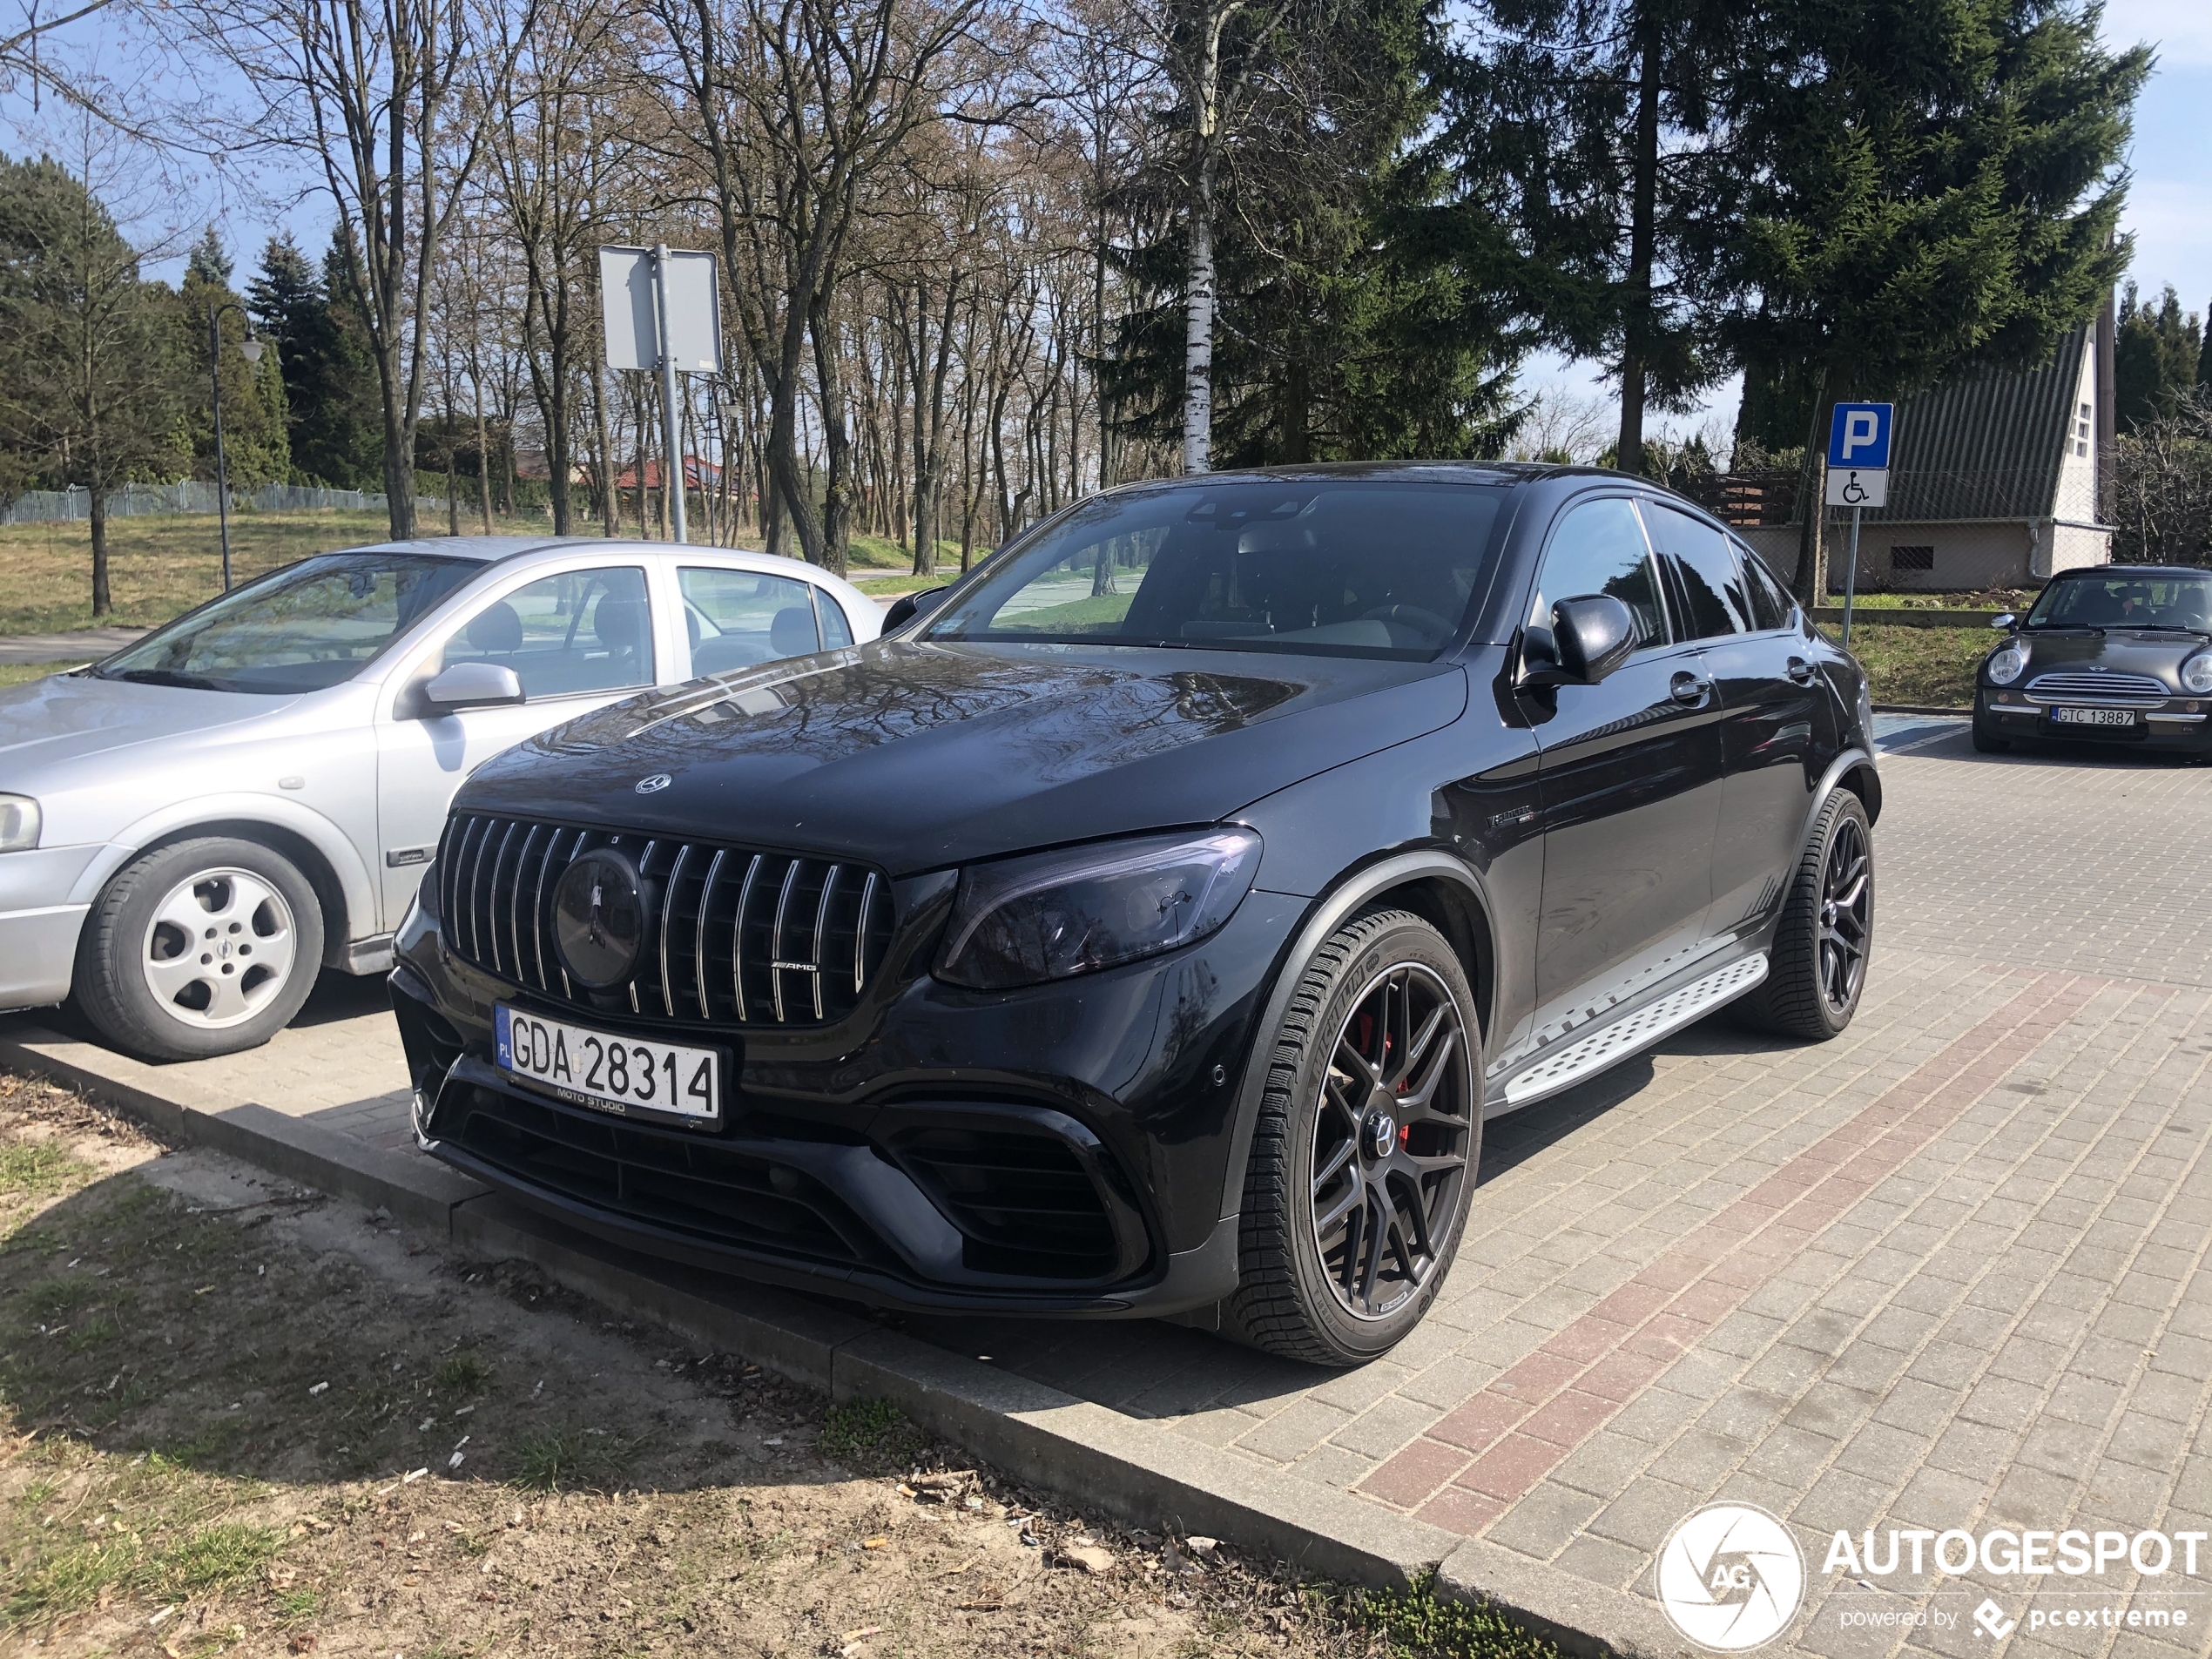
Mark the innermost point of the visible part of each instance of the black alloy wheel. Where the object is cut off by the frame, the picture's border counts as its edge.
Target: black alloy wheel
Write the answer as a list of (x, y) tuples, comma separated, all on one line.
[(1846, 915), (1817, 970), (1369, 1137)]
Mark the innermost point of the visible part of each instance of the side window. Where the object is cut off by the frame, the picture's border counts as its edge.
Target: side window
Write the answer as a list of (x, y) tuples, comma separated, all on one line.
[(583, 630), (1712, 588), (1599, 549), (1771, 605), (836, 630), (736, 618)]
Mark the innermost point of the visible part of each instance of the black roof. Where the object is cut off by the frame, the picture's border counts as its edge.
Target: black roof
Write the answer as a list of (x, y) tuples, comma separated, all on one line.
[(2124, 572), (1988, 444)]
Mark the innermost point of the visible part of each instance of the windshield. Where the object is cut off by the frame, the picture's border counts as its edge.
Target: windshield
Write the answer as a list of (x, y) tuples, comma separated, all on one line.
[(2125, 601), (301, 629), (1364, 569)]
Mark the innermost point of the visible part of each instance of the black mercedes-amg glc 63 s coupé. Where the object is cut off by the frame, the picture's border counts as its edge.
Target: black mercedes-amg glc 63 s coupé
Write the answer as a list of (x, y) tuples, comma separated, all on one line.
[(1148, 924)]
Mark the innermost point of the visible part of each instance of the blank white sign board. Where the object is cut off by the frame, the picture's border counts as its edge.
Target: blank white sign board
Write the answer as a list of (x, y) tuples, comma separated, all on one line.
[(633, 317)]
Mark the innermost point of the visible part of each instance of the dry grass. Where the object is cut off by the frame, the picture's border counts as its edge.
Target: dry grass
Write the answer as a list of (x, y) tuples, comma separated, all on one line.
[(240, 1418), (162, 564)]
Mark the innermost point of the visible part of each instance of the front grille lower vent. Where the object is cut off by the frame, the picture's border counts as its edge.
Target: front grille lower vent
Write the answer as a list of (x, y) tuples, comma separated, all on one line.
[(1025, 1202), (2131, 689), (734, 936)]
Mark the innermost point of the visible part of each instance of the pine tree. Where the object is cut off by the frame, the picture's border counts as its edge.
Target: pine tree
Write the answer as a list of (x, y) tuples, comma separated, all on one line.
[(208, 262), (256, 447), (1936, 187), (330, 436), (2158, 354)]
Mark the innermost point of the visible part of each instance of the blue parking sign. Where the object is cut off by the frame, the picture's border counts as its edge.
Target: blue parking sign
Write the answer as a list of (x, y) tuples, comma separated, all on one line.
[(1860, 437)]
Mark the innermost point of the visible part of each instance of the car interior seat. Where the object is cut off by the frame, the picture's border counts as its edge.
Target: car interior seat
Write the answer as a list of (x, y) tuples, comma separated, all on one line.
[(497, 629), (793, 633)]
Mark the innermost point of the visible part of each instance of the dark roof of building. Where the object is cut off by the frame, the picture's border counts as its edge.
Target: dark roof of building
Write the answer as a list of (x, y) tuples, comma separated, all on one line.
[(1987, 445)]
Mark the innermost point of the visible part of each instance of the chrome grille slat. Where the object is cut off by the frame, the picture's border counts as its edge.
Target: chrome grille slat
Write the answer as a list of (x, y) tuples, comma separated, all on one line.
[(667, 918), (736, 934), (698, 944), (2131, 691), (860, 936), (776, 941), (500, 873), (821, 921)]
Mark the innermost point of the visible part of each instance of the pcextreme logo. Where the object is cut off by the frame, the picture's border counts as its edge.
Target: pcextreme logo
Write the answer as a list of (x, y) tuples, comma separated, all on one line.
[(1730, 1577)]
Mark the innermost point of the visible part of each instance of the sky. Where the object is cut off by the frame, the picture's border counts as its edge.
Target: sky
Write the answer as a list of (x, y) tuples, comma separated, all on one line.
[(2168, 213)]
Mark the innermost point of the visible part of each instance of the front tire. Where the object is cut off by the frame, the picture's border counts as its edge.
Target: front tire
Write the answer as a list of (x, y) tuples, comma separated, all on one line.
[(1369, 1137), (1986, 739), (205, 947), (1817, 971)]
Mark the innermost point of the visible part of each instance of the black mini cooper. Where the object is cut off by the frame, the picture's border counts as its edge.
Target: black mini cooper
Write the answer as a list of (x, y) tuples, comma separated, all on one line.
[(2115, 655), (1148, 923)]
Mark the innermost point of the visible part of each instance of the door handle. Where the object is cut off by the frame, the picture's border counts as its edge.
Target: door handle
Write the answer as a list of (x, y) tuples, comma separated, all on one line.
[(1689, 688), (1801, 670)]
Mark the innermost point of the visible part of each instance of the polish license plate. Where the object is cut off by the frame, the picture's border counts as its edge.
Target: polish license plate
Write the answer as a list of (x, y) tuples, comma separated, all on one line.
[(609, 1073), (2093, 717)]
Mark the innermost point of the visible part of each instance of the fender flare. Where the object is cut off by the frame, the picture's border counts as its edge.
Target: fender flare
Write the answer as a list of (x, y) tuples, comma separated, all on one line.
[(1852, 760), (1328, 914), (218, 813)]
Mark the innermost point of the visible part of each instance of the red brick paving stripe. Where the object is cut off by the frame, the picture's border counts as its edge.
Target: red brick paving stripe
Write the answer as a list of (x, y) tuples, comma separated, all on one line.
[(1479, 1459)]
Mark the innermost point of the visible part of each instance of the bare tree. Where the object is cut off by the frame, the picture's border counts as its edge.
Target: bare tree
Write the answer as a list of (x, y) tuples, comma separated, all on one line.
[(365, 89)]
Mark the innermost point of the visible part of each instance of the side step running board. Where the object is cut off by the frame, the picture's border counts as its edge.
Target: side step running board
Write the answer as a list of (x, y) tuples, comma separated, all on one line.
[(1639, 1030)]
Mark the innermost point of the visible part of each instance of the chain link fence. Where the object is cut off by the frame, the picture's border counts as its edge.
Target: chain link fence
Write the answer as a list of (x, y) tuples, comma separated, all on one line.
[(132, 501)]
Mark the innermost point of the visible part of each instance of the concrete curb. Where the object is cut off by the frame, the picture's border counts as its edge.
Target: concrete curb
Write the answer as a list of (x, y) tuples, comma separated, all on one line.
[(1139, 1473)]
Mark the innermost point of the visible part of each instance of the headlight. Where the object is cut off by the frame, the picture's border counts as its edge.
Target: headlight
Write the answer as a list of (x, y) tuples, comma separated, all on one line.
[(1025, 920), (2197, 674), (18, 823), (2008, 665)]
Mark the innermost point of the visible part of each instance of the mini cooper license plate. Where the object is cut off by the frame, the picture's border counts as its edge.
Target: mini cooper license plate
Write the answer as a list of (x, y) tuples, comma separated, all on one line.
[(609, 1073), (2093, 717)]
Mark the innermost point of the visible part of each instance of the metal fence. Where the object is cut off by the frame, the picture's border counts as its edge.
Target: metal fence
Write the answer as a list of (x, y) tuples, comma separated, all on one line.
[(63, 506)]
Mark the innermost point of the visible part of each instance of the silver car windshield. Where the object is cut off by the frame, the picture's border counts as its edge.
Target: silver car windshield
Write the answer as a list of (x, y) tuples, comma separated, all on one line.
[(301, 629), (1356, 567)]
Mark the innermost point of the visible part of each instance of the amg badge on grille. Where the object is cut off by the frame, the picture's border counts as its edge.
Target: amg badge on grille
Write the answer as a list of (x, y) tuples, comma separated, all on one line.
[(599, 918)]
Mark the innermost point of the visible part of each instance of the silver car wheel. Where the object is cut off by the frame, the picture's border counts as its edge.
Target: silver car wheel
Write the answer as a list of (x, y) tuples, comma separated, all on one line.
[(221, 945)]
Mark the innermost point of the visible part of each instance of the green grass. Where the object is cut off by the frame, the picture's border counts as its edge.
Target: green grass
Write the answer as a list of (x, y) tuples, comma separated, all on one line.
[(1096, 614), (464, 1373), (38, 1168), (870, 1434), (1927, 667), (881, 553), (162, 564), (1418, 1624)]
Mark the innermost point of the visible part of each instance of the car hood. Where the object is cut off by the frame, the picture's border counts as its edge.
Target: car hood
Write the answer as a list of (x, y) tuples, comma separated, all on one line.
[(911, 755), (2159, 655), (74, 717)]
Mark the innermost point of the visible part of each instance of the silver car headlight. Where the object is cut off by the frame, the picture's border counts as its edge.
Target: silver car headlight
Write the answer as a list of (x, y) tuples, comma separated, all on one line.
[(1021, 922), (19, 820), (2197, 673), (2008, 665)]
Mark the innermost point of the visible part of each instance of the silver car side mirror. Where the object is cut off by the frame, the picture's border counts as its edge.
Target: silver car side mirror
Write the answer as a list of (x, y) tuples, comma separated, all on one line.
[(2004, 620), (471, 685)]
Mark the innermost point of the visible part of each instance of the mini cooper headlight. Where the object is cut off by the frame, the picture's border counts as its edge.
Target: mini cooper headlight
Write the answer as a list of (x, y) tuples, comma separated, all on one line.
[(2197, 673), (2008, 665), (19, 819), (1021, 922)]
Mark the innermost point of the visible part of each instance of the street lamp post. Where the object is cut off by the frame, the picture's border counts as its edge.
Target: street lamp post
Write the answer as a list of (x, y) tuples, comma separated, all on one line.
[(249, 349)]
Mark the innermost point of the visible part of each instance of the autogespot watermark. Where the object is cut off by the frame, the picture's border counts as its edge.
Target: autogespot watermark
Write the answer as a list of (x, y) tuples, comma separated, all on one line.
[(1732, 1578)]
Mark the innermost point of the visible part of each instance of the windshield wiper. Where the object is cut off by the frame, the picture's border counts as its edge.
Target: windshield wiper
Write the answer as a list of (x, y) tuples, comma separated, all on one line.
[(2064, 628), (165, 677), (2160, 628)]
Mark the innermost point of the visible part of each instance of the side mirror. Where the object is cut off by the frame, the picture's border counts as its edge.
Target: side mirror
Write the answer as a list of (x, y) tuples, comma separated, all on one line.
[(908, 606), (2004, 621), (468, 685), (1588, 638)]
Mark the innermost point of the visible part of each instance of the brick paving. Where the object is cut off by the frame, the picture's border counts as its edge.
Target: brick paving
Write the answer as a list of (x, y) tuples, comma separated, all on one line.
[(1945, 1272)]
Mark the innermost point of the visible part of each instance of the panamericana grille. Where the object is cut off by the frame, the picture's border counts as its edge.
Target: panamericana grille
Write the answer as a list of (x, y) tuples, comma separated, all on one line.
[(2128, 691), (734, 936)]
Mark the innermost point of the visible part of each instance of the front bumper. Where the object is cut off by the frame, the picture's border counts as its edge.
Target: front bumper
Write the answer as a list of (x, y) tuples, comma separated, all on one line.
[(40, 920), (2180, 728), (1060, 1149)]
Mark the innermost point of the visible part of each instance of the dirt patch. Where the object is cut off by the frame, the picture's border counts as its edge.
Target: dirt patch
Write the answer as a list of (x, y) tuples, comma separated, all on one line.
[(241, 1416)]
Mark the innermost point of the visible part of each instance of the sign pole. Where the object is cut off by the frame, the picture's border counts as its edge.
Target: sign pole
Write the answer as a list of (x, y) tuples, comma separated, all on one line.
[(672, 469), (1851, 575)]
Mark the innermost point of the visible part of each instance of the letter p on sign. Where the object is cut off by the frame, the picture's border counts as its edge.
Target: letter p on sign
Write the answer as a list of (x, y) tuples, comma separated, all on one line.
[(1860, 437)]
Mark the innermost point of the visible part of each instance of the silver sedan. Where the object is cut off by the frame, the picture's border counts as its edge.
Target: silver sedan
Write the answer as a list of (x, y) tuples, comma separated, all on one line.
[(190, 829)]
